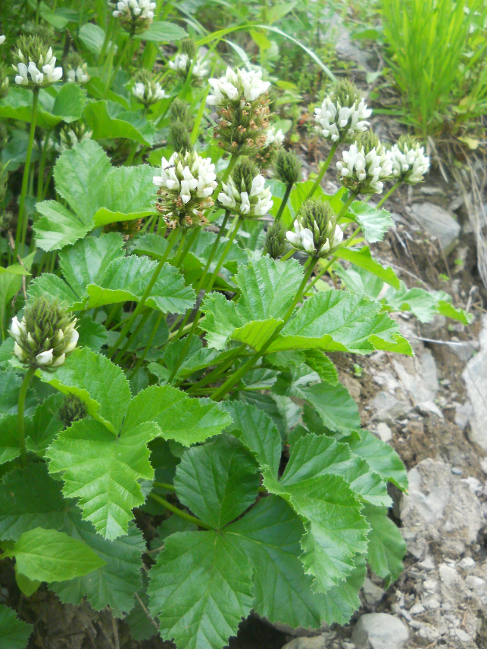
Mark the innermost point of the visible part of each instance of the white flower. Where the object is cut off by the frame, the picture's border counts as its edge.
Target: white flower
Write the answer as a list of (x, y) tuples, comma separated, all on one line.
[(36, 76), (53, 74), (50, 73), (182, 64), (19, 352), (77, 76), (45, 358), (22, 79), (149, 92), (59, 360), (304, 239), (252, 205), (337, 122), (17, 328), (365, 172), (2, 39), (274, 137), (409, 163), (135, 9), (72, 340), (241, 85)]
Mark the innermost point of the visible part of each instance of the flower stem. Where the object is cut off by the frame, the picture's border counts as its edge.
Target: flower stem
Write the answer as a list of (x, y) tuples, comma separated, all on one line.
[(344, 209), (20, 414), (334, 258), (21, 232), (218, 370), (234, 378), (180, 512), (386, 196), (284, 201), (238, 222), (323, 169)]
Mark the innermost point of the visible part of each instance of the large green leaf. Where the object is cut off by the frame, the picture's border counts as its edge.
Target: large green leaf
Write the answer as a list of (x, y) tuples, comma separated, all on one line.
[(257, 431), (108, 120), (44, 425), (386, 545), (375, 222), (18, 105), (9, 392), (364, 259), (100, 384), (217, 481), (180, 417), (160, 31), (333, 403), (113, 584), (200, 589), (104, 471), (14, 633), (70, 102), (424, 304), (126, 278), (49, 555), (30, 498), (9, 438), (58, 226)]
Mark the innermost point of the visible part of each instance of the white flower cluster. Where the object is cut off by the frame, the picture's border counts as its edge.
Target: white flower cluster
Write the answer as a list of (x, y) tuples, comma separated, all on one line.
[(256, 203), (182, 64), (78, 75), (366, 171), (148, 93), (337, 122), (135, 9), (274, 137), (409, 163), (2, 39), (49, 74), (70, 336), (303, 239), (240, 86)]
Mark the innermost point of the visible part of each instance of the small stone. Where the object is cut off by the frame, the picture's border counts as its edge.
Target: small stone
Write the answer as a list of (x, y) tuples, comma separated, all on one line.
[(430, 584), (348, 645), (427, 564), (380, 631), (483, 464), (456, 471), (474, 484), (449, 576), (417, 609), (463, 412), (475, 377), (415, 624), (431, 603), (406, 615), (396, 609), (466, 563), (384, 432), (318, 642), (373, 593), (462, 635), (437, 222), (428, 632), (475, 583), (388, 407)]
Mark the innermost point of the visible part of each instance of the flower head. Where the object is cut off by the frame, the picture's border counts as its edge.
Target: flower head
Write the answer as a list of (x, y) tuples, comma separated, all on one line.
[(342, 114), (135, 15), (71, 134), (76, 69), (315, 230), (409, 163), (146, 90), (242, 103), (273, 143), (45, 335), (34, 63), (189, 60), (275, 241), (366, 165), (186, 184), (245, 193), (287, 167)]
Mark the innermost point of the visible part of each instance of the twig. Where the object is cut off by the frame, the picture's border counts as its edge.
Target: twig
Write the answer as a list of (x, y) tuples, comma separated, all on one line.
[(151, 619), (115, 633)]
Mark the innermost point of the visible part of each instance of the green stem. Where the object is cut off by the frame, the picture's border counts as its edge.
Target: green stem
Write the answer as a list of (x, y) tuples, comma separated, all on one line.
[(150, 285), (238, 222), (141, 359), (164, 485), (284, 201), (42, 164), (226, 174), (323, 169), (333, 259), (234, 378), (288, 254), (21, 227), (344, 209), (132, 336), (217, 371), (386, 196), (20, 414), (180, 512)]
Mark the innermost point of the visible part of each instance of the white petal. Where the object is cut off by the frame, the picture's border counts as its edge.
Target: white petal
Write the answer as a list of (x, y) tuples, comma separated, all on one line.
[(44, 358)]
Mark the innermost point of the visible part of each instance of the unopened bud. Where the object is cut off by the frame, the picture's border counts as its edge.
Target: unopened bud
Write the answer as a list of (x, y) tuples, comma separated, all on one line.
[(288, 167), (275, 241)]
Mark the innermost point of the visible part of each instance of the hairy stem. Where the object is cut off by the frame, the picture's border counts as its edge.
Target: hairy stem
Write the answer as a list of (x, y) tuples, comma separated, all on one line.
[(386, 196), (284, 201), (323, 169), (20, 414)]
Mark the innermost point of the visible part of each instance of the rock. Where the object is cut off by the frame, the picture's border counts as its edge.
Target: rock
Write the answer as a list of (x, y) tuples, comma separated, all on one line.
[(417, 609), (318, 642), (475, 377), (483, 464), (462, 635), (419, 376), (380, 631), (464, 350), (463, 412), (475, 583), (439, 507), (388, 407), (437, 222), (384, 432), (466, 563), (427, 564), (372, 593)]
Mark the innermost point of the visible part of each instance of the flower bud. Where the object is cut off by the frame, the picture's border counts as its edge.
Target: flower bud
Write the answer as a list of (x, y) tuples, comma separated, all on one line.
[(146, 90), (342, 114), (72, 134), (188, 59), (315, 230), (242, 105), (179, 137), (76, 69), (245, 194), (35, 63), (288, 167), (409, 163), (71, 410), (275, 241), (135, 15), (4, 81), (45, 335), (180, 112), (366, 165), (186, 185)]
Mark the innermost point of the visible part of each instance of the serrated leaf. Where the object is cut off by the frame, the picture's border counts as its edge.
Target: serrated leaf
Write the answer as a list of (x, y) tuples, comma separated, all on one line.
[(127, 278), (364, 259), (196, 357), (47, 283), (141, 624), (322, 365), (91, 334), (70, 102), (342, 600), (108, 120), (257, 431), (100, 384), (217, 481), (200, 589), (43, 426), (9, 392), (9, 438), (337, 409), (386, 544), (58, 226), (424, 304), (49, 555), (375, 222), (160, 31), (360, 281), (180, 417), (113, 584), (104, 471), (30, 498), (381, 457), (14, 633)]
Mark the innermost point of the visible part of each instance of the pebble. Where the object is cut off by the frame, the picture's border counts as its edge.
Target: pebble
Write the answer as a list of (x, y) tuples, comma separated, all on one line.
[(380, 631), (384, 432), (417, 609), (431, 603), (466, 563), (427, 564), (373, 593), (456, 471), (462, 635), (475, 583), (318, 642)]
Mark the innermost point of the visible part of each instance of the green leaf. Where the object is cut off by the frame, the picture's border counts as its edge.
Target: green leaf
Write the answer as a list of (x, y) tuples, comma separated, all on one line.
[(217, 481), (91, 334), (70, 102), (44, 425), (126, 278), (322, 365), (200, 589), (375, 222), (58, 226), (14, 633), (27, 586), (364, 259), (92, 37), (195, 358), (9, 392), (424, 304), (30, 498), (47, 283), (341, 601), (104, 471), (48, 555), (386, 545), (113, 584), (160, 31), (18, 105), (257, 431), (180, 417), (108, 120), (9, 439), (337, 409), (381, 457)]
